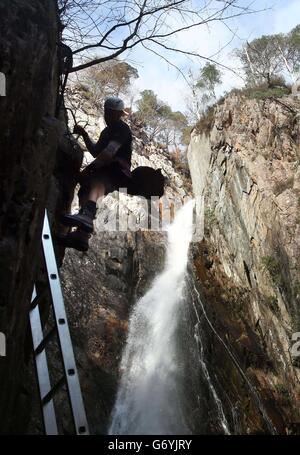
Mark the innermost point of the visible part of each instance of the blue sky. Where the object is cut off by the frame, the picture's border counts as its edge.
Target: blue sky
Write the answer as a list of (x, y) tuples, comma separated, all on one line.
[(171, 87), (280, 16)]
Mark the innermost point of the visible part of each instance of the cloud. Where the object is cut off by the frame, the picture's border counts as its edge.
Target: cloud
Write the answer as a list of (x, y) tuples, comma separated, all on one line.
[(157, 75)]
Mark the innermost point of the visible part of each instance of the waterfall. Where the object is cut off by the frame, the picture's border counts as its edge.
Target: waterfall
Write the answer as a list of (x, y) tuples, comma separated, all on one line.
[(150, 395)]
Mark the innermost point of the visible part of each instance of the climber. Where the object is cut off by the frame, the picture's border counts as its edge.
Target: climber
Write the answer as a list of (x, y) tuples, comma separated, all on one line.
[(107, 173)]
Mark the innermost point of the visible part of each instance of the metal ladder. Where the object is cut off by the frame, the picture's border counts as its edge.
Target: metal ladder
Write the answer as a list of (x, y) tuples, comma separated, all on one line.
[(40, 342)]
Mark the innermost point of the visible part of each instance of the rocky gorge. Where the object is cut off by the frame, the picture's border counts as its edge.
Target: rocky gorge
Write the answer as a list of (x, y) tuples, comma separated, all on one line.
[(245, 165), (241, 299), (241, 295)]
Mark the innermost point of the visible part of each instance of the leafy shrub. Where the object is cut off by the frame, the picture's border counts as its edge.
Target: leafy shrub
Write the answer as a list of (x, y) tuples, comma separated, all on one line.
[(209, 220), (282, 390), (83, 90), (272, 265), (272, 303), (205, 123), (264, 93), (296, 289), (261, 92)]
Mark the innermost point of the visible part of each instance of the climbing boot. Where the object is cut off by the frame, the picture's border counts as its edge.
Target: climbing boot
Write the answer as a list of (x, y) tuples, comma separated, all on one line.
[(84, 219), (79, 240)]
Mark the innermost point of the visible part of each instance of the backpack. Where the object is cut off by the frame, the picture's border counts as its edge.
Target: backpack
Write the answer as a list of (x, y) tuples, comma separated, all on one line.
[(146, 181)]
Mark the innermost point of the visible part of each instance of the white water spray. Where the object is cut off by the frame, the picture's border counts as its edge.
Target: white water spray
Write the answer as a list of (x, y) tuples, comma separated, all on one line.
[(149, 397)]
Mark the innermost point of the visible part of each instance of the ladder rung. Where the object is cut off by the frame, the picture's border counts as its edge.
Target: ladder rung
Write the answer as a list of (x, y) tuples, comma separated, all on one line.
[(38, 298), (70, 376), (64, 337), (45, 341), (42, 371), (54, 390)]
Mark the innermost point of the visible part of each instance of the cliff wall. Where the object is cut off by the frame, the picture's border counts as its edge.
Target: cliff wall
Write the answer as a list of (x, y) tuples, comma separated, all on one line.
[(244, 164), (28, 141)]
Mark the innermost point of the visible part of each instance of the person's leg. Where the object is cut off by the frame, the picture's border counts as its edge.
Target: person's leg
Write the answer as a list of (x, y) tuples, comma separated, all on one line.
[(97, 190), (88, 196), (92, 193), (88, 203)]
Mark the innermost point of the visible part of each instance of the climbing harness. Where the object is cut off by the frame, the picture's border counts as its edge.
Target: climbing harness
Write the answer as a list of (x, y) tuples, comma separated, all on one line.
[(40, 343)]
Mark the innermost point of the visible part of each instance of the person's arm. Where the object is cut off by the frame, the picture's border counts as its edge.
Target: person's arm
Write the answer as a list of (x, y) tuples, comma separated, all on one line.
[(88, 142), (107, 155)]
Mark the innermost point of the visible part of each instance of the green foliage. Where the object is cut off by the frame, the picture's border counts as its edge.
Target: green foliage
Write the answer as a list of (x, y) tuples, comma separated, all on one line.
[(261, 59), (264, 93), (296, 289), (272, 303), (293, 48), (268, 58), (115, 77), (162, 124), (181, 166), (209, 219), (111, 78), (260, 92), (202, 91), (148, 106), (273, 266), (186, 135), (84, 90), (210, 76), (283, 391), (205, 123)]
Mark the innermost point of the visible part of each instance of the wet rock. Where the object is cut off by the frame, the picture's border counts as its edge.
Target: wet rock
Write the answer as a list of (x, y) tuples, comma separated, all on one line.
[(28, 38), (252, 227)]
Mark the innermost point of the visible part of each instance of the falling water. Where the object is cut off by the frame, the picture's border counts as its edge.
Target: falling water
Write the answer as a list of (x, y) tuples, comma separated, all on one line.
[(149, 395)]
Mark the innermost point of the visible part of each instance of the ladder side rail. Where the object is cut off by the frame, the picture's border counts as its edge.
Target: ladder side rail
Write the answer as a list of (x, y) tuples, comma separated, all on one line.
[(41, 364), (71, 374)]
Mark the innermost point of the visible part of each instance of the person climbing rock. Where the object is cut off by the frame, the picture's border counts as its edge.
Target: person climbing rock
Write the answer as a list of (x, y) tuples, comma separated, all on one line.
[(109, 172)]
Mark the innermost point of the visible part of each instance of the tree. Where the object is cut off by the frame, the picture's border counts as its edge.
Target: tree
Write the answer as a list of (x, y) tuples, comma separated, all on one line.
[(210, 77), (148, 112), (173, 125), (161, 123), (203, 90), (113, 27), (268, 59), (291, 53), (112, 78), (262, 60)]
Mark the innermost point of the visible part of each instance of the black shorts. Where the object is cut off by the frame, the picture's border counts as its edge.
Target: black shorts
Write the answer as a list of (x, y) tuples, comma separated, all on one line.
[(112, 177)]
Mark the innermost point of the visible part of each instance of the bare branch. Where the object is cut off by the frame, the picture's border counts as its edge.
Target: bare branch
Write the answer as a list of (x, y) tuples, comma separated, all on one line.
[(118, 26)]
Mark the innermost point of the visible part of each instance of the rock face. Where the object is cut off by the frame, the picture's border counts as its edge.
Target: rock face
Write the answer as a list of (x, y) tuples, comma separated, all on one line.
[(101, 286), (246, 169), (28, 39), (243, 285)]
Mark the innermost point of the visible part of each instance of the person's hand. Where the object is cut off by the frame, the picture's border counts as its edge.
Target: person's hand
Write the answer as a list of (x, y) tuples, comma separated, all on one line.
[(79, 130)]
